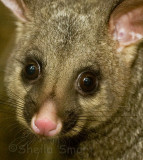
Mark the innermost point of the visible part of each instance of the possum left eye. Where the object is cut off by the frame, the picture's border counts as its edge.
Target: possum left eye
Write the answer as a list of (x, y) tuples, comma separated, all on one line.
[(87, 83), (31, 70)]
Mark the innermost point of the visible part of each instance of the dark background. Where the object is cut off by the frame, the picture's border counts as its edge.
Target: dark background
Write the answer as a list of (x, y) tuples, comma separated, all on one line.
[(7, 32)]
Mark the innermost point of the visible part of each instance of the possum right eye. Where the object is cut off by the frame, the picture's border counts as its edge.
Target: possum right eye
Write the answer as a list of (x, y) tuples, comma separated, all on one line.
[(31, 70), (87, 83)]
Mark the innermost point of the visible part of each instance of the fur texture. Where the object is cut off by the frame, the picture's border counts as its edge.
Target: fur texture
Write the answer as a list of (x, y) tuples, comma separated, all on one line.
[(68, 37)]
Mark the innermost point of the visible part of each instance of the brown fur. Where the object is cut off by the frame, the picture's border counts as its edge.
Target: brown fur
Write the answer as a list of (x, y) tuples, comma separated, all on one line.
[(69, 36)]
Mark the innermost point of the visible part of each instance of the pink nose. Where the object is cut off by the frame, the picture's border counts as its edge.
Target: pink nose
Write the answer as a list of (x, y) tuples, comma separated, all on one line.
[(46, 122), (45, 127)]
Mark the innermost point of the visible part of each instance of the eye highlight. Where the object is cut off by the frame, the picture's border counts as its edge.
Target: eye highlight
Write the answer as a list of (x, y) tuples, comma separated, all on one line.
[(31, 70), (87, 82)]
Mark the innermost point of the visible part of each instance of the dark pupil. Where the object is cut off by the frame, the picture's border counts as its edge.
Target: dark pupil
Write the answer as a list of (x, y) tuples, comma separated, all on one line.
[(88, 81), (30, 70)]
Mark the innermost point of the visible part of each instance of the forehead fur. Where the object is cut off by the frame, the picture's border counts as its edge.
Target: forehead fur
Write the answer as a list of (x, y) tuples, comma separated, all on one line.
[(77, 5), (61, 27)]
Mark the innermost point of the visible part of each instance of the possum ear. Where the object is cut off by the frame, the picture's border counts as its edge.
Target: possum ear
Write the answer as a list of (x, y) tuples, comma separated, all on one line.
[(126, 23), (17, 7)]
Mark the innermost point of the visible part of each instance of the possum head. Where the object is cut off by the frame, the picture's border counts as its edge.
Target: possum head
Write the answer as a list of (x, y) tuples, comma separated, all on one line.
[(65, 69)]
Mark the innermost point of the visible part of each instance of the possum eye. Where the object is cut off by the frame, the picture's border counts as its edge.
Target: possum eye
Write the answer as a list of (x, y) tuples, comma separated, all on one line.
[(31, 70), (87, 82)]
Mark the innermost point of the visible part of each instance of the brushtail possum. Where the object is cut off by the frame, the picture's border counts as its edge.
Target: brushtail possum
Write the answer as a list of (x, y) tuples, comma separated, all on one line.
[(74, 79)]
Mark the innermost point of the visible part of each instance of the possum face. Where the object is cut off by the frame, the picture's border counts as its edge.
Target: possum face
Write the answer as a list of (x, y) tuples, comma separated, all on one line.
[(65, 69)]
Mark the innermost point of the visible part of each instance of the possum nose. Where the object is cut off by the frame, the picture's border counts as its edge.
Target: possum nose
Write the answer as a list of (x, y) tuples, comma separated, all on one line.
[(46, 122), (46, 127)]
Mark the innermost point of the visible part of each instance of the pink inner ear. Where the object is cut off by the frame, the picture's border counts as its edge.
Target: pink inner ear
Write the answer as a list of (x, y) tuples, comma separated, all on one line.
[(126, 22), (17, 7)]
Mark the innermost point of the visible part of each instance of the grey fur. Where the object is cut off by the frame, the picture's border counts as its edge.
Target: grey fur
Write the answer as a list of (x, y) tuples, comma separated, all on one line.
[(72, 35)]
